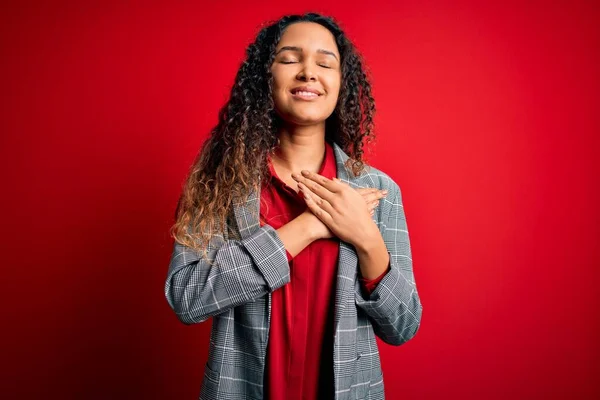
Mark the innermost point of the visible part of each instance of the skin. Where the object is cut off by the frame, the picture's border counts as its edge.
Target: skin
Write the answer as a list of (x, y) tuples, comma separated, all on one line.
[(307, 55)]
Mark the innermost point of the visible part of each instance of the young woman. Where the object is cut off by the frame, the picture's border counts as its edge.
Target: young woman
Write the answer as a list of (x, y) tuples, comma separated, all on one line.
[(283, 235)]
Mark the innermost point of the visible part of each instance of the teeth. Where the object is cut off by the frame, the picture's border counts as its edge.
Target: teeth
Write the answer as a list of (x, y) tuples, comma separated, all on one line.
[(301, 93)]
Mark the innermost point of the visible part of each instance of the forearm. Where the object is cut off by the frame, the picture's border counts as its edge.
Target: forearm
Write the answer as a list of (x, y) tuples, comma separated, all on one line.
[(373, 257), (394, 306), (297, 234), (234, 272)]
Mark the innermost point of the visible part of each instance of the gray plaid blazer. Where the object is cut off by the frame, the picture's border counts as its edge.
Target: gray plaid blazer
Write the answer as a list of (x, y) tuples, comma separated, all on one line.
[(236, 292)]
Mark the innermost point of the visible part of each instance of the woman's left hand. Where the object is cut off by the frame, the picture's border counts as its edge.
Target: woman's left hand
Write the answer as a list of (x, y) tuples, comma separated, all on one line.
[(338, 206)]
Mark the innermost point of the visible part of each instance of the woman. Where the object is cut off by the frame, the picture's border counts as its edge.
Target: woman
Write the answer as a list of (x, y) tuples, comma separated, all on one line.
[(277, 237)]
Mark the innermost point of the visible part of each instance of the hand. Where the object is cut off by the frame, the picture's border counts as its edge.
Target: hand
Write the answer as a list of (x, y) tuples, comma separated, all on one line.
[(342, 209), (371, 196)]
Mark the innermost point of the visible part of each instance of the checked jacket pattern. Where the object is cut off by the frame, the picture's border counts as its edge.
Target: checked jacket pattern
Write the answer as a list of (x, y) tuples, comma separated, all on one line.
[(236, 293)]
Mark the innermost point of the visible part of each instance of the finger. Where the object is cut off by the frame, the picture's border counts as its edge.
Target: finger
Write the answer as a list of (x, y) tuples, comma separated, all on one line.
[(314, 207), (378, 195), (366, 191), (329, 184), (374, 198), (373, 206), (320, 202), (342, 185), (314, 187)]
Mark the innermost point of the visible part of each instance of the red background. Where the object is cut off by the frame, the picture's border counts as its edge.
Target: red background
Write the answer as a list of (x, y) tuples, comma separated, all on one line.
[(487, 119)]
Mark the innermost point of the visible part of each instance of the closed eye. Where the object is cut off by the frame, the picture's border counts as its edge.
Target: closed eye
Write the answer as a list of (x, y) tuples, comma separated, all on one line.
[(294, 62)]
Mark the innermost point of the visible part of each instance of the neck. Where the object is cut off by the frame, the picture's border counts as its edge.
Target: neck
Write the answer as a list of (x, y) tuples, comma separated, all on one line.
[(301, 147)]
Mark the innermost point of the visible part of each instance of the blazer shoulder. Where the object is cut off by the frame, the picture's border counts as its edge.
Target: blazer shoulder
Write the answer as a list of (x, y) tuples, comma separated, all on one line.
[(373, 177)]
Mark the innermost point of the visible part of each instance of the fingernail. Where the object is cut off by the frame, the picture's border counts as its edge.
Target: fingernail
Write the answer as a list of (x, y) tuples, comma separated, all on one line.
[(384, 192), (304, 172)]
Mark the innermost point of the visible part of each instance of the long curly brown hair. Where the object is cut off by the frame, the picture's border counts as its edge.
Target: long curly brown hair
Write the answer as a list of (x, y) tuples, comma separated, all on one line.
[(233, 159)]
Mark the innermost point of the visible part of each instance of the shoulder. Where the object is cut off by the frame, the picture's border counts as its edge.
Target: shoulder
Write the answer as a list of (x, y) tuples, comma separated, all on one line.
[(370, 176), (375, 178)]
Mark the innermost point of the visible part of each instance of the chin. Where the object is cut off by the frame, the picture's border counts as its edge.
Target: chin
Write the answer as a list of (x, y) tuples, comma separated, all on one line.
[(308, 117), (299, 120)]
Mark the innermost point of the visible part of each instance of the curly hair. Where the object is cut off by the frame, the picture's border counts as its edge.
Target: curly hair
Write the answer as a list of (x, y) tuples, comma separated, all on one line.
[(233, 159)]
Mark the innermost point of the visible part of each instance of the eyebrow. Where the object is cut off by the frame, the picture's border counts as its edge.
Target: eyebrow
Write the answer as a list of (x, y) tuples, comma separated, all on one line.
[(299, 49)]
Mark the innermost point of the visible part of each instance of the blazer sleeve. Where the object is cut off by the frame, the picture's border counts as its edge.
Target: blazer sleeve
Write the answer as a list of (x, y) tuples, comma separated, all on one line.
[(242, 271), (394, 307)]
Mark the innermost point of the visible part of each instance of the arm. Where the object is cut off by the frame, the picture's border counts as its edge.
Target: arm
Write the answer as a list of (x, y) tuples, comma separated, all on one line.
[(394, 306), (243, 271), (369, 285)]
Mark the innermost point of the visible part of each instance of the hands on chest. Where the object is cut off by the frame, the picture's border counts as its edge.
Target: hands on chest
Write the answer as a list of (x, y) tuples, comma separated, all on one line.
[(339, 209)]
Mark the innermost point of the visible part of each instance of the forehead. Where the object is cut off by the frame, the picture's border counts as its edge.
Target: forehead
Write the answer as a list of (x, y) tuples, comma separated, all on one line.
[(309, 36)]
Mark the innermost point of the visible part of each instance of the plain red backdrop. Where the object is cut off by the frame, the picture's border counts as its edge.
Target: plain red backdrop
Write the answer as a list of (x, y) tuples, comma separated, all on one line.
[(487, 119)]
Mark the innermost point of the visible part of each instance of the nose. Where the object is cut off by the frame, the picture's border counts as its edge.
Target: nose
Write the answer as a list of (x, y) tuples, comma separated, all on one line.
[(306, 73)]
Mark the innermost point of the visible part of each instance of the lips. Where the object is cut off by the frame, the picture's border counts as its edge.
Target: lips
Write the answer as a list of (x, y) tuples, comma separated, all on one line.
[(308, 89)]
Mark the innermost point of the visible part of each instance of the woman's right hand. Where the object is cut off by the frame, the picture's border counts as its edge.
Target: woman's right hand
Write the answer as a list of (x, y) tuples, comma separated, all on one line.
[(371, 197)]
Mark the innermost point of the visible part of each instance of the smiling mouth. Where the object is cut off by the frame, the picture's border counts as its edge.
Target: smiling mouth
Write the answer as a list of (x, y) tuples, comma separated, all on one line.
[(305, 95)]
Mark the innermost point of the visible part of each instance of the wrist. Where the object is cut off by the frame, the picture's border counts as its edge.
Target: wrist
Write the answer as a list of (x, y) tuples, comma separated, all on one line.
[(370, 244), (308, 220)]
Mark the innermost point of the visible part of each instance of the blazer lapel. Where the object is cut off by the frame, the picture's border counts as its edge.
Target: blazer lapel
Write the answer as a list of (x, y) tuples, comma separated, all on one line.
[(348, 259)]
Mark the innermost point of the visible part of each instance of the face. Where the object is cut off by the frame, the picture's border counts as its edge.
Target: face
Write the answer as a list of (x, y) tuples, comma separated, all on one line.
[(306, 60)]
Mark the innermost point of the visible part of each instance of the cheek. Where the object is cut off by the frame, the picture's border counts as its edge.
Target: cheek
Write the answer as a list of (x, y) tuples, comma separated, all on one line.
[(335, 84), (278, 84), (334, 89), (276, 89), (278, 93), (275, 75)]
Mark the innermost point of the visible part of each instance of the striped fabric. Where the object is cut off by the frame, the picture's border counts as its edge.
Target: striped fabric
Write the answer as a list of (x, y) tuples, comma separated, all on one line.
[(236, 292)]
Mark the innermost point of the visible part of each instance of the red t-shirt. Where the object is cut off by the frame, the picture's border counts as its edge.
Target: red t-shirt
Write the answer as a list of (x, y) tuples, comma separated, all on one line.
[(299, 362)]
